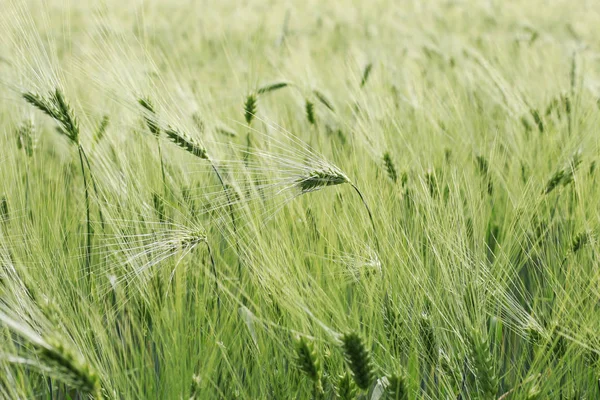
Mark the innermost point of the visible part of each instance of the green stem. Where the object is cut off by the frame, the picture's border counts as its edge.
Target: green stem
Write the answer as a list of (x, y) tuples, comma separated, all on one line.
[(87, 162), (87, 211), (227, 195), (27, 188), (368, 211), (214, 273), (248, 145), (162, 167), (232, 215)]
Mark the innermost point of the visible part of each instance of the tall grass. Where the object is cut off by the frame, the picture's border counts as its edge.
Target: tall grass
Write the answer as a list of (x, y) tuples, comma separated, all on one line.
[(410, 214)]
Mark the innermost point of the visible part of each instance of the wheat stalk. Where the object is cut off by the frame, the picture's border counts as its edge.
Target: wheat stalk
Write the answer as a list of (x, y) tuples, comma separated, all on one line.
[(192, 240), (55, 106), (196, 149), (188, 144), (317, 179), (152, 123)]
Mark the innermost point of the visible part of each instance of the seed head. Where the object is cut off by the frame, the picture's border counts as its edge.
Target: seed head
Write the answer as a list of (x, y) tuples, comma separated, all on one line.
[(320, 178), (150, 118), (310, 112), (389, 166), (397, 388), (187, 143), (345, 389), (55, 106), (358, 360), (250, 107), (273, 86)]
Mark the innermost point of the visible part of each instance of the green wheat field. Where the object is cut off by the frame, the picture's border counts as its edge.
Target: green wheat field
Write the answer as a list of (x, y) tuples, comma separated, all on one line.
[(300, 199)]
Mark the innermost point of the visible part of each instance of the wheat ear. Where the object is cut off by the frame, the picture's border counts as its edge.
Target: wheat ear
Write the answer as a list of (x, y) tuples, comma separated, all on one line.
[(358, 360)]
